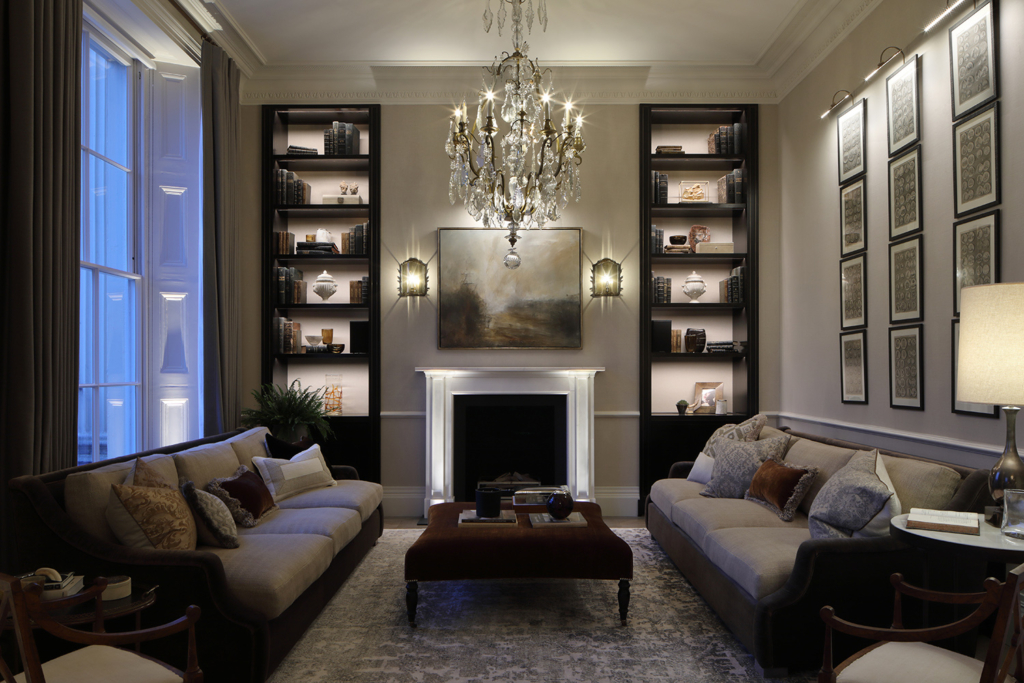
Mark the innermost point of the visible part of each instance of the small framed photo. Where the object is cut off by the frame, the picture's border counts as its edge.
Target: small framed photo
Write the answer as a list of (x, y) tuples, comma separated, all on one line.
[(854, 358), (906, 377), (696, 191), (706, 396), (975, 253), (976, 161), (962, 407), (905, 203), (853, 292), (974, 59), (906, 281), (903, 107), (851, 135), (853, 213)]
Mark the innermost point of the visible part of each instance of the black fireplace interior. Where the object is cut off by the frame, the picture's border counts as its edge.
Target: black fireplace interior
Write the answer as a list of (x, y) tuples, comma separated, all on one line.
[(499, 433)]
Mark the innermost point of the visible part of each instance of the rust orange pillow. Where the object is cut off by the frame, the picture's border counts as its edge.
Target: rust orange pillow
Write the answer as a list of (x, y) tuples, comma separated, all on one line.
[(780, 487)]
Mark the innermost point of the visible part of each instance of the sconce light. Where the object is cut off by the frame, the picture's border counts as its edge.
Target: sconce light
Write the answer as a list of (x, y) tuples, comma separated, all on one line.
[(882, 61), (606, 278), (412, 278), (837, 102), (950, 6)]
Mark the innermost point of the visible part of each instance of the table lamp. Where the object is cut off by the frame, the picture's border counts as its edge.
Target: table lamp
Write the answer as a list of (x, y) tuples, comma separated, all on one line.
[(990, 366)]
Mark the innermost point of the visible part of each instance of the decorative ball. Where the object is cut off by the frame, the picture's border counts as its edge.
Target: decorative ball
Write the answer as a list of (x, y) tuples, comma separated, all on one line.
[(512, 260), (560, 504)]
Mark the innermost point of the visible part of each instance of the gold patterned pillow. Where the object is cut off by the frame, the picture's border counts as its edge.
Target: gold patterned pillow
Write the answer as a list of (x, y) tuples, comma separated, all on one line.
[(151, 517)]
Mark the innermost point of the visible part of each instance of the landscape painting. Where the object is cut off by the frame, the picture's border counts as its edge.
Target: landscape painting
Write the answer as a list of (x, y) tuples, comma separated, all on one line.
[(484, 305)]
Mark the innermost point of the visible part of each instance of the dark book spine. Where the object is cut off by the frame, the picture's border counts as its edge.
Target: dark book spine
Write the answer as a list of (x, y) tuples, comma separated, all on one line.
[(730, 188), (722, 190), (741, 185), (668, 290), (281, 273), (663, 188), (737, 138)]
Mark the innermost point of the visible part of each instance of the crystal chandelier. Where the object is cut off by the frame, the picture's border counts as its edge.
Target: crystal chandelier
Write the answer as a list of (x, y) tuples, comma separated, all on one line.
[(530, 182)]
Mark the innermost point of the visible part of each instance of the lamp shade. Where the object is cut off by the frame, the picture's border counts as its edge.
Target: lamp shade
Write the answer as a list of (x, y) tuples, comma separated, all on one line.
[(990, 365)]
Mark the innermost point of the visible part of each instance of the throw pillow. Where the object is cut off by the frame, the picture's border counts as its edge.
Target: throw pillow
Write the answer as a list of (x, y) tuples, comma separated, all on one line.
[(304, 472), (144, 474), (780, 487), (736, 463), (150, 517), (857, 501), (279, 448), (245, 494), (702, 469), (214, 523), (748, 430)]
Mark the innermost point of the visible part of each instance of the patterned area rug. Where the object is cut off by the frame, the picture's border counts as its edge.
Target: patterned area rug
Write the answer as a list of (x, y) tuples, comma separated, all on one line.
[(524, 631)]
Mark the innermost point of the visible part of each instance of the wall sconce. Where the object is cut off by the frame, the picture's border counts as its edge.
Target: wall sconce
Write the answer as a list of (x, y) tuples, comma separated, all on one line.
[(836, 103), (882, 61), (606, 278), (412, 278)]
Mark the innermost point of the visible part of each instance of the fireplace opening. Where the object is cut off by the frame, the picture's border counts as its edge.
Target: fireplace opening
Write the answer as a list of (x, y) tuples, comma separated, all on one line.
[(508, 434)]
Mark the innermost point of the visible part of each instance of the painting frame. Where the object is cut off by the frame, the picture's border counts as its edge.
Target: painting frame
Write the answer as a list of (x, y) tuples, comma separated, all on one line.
[(851, 128), (847, 392), (991, 250), (903, 92), (899, 204), (963, 145), (483, 305), (853, 291), (700, 405), (962, 407), (898, 312), (967, 70), (853, 214), (907, 358)]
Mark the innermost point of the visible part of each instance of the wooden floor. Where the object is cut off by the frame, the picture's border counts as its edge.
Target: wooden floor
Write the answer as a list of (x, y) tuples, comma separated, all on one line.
[(612, 522)]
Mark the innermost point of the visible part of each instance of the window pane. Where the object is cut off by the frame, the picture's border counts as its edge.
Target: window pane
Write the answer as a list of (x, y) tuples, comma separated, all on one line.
[(86, 328), (107, 105), (117, 329), (104, 213), (85, 454), (117, 421)]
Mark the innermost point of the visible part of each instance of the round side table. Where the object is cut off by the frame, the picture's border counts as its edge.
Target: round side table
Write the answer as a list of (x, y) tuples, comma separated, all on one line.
[(990, 545)]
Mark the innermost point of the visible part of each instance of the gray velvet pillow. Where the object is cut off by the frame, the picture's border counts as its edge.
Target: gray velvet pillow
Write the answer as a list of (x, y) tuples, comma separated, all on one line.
[(858, 500), (214, 523), (736, 463)]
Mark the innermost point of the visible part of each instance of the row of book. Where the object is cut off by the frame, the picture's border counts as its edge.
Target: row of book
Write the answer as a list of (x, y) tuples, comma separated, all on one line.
[(359, 291), (341, 139), (732, 187), (659, 187), (287, 335), (728, 139), (299, 150), (289, 189), (730, 290), (291, 288), (355, 241), (316, 248), (657, 240), (661, 289)]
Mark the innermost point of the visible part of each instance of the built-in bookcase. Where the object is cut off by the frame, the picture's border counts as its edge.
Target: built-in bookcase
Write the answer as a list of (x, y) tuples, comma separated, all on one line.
[(357, 430), (666, 377)]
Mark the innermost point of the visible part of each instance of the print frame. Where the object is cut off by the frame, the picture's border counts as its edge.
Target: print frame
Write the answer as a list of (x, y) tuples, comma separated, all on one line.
[(853, 215), (853, 293), (985, 257), (906, 281), (903, 106), (853, 368), (974, 72), (973, 189), (906, 377), (900, 185), (851, 128)]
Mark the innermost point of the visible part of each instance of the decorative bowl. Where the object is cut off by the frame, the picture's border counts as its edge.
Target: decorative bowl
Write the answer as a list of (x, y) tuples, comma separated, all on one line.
[(336, 348), (677, 239), (560, 504)]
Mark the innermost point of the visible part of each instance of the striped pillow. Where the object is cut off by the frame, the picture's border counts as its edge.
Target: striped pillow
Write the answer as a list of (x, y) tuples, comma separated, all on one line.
[(304, 472)]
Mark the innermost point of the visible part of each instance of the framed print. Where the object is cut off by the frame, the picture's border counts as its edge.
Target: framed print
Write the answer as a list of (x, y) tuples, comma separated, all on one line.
[(706, 396), (851, 131), (975, 253), (974, 60), (906, 377), (484, 305), (854, 358), (905, 203), (853, 213), (976, 161), (853, 292), (963, 407), (903, 107), (906, 293)]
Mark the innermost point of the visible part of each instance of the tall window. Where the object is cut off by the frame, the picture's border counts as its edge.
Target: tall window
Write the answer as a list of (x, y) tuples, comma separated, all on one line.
[(109, 415)]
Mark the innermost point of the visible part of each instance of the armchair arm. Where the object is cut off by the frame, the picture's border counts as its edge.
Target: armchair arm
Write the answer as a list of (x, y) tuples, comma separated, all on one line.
[(344, 472), (680, 470)]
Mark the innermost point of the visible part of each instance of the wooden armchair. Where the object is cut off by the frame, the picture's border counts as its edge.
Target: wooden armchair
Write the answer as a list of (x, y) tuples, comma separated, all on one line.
[(101, 661), (905, 655)]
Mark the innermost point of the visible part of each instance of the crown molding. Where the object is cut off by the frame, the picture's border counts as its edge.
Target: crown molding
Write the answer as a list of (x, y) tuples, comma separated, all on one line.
[(173, 24)]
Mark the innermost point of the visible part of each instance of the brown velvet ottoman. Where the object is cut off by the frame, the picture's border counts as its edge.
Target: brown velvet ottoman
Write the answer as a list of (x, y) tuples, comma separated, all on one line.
[(446, 552)]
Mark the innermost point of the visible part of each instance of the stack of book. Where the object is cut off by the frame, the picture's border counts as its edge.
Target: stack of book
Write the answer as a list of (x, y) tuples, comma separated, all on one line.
[(668, 149), (287, 335), (944, 520), (661, 289), (541, 520), (316, 248), (69, 584), (469, 518), (728, 139), (291, 288), (720, 347), (732, 187), (303, 151), (677, 248), (677, 341), (284, 243), (289, 189), (657, 240), (659, 187), (341, 139), (359, 291), (730, 290)]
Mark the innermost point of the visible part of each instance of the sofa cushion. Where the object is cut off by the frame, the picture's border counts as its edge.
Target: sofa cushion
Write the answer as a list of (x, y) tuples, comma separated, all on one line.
[(921, 484), (700, 516), (780, 487), (362, 496), (86, 493), (151, 517), (249, 444), (286, 478), (667, 492), (858, 500), (828, 460), (737, 461), (247, 497), (210, 461), (214, 523), (340, 525), (748, 430), (768, 432), (267, 572), (759, 560)]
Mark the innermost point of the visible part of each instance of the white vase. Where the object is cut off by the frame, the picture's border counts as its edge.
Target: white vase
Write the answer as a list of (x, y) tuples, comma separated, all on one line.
[(694, 287), (325, 286)]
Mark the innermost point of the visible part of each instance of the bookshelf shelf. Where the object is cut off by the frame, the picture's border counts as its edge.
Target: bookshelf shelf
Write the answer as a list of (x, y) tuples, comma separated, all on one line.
[(324, 210), (698, 307), (696, 209), (657, 356), (697, 259), (695, 162), (323, 307), (331, 259), (307, 162)]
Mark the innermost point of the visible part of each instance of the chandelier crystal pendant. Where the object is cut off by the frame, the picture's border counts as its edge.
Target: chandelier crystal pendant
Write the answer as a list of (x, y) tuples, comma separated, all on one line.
[(530, 181)]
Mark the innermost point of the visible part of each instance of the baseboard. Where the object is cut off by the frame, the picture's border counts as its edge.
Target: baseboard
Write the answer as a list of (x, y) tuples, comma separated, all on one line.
[(403, 501), (617, 501)]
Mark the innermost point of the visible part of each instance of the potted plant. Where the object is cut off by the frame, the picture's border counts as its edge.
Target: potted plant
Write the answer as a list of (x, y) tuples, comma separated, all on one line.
[(288, 413), (681, 406)]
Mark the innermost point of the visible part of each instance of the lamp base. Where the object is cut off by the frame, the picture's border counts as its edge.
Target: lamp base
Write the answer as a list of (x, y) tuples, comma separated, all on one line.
[(1008, 473)]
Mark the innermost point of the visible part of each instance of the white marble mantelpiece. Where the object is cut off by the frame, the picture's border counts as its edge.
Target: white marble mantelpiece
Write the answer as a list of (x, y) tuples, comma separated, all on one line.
[(576, 384)]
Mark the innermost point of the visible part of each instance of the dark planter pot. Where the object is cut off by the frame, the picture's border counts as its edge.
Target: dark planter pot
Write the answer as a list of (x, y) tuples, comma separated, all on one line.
[(488, 502), (681, 409)]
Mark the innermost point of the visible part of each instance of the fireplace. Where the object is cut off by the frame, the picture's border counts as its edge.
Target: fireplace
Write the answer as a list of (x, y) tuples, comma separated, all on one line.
[(496, 434)]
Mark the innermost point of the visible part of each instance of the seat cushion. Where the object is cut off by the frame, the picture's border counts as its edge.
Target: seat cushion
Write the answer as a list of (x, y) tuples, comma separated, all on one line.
[(910, 662), (210, 461), (700, 516), (921, 484), (667, 492), (828, 460), (103, 664), (250, 444), (267, 572), (759, 560), (340, 525), (362, 496)]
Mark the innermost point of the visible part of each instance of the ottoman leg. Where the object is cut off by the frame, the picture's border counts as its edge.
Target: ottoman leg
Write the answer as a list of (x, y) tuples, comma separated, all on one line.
[(623, 600), (411, 598)]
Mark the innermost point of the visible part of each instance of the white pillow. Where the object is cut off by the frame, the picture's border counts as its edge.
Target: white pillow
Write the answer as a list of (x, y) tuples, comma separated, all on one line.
[(879, 524), (304, 472), (702, 468)]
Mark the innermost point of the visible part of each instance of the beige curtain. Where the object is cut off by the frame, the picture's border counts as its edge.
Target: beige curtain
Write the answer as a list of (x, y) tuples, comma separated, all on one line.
[(221, 144), (40, 145)]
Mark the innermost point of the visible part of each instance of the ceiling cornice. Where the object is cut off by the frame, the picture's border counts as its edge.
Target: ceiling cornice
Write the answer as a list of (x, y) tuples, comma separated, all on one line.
[(174, 25)]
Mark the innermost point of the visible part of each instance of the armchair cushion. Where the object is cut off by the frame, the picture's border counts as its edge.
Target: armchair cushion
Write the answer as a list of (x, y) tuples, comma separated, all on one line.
[(909, 662), (361, 496), (102, 664)]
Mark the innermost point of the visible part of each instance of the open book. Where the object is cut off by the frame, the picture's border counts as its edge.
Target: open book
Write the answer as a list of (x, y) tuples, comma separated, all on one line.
[(944, 520)]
